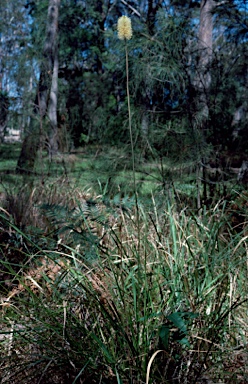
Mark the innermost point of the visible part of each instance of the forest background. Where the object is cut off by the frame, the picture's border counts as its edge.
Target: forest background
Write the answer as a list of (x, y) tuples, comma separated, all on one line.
[(188, 79), (132, 241)]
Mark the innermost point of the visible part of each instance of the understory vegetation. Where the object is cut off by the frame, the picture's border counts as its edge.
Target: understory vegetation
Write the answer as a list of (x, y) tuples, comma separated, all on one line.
[(98, 289), (123, 192)]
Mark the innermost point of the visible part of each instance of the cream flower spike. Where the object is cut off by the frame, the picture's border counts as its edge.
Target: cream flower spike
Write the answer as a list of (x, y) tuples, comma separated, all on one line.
[(124, 28)]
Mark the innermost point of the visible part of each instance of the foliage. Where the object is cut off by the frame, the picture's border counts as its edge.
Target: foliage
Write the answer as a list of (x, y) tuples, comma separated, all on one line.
[(101, 282), (180, 288), (163, 55)]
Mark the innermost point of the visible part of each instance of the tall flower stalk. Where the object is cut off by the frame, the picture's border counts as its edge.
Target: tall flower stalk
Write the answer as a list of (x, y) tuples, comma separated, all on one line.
[(124, 28)]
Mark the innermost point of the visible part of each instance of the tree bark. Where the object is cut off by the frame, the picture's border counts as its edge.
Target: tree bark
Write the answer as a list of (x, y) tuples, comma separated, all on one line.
[(53, 102), (47, 85), (145, 98), (4, 105), (205, 47), (202, 80), (240, 114)]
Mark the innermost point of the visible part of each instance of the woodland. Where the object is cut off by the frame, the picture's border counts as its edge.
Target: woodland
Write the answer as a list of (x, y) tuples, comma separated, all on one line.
[(123, 191)]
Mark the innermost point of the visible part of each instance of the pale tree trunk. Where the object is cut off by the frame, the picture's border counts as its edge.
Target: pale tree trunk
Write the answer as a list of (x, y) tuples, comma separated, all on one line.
[(152, 9), (3, 95), (205, 47), (144, 126), (240, 114), (202, 82), (53, 101), (47, 82), (4, 104)]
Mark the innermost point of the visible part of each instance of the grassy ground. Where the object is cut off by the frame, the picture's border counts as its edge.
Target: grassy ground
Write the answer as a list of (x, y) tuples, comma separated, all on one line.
[(98, 168), (95, 289)]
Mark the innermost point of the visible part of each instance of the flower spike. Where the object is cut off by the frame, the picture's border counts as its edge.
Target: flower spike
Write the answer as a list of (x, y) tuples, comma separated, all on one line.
[(124, 28)]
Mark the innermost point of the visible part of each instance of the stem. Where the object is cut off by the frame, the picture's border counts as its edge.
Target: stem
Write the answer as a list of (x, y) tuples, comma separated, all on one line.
[(132, 146)]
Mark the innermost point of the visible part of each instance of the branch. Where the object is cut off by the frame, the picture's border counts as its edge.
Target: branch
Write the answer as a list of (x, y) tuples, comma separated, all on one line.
[(221, 3), (133, 9)]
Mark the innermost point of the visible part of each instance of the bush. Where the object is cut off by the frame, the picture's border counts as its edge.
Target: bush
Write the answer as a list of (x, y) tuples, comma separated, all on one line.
[(165, 282)]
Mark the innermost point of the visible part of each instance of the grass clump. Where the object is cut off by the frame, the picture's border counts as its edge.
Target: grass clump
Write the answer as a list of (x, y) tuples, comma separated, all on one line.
[(179, 287)]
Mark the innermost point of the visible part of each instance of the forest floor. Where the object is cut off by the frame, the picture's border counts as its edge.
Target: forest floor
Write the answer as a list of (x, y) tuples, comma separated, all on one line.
[(97, 287)]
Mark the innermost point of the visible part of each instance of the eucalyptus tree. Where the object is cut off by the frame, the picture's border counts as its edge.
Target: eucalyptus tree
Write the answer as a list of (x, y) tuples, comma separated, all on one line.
[(221, 85), (51, 50), (5, 48), (178, 73), (46, 95), (235, 67), (205, 52), (13, 38), (204, 89)]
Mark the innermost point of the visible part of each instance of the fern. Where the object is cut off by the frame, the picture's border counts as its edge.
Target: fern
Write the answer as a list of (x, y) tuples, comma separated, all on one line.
[(82, 226), (85, 225)]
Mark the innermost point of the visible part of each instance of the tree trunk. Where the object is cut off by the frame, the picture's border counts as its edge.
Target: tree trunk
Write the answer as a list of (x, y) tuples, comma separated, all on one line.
[(52, 106), (202, 81), (145, 98), (240, 114), (47, 82), (4, 104), (205, 46), (243, 173), (145, 122)]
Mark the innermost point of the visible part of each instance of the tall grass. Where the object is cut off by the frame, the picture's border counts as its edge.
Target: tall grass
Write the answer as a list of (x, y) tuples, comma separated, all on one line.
[(179, 289)]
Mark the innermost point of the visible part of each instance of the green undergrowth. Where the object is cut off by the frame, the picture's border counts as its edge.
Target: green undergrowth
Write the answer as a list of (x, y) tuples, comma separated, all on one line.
[(96, 292), (96, 287), (96, 167)]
